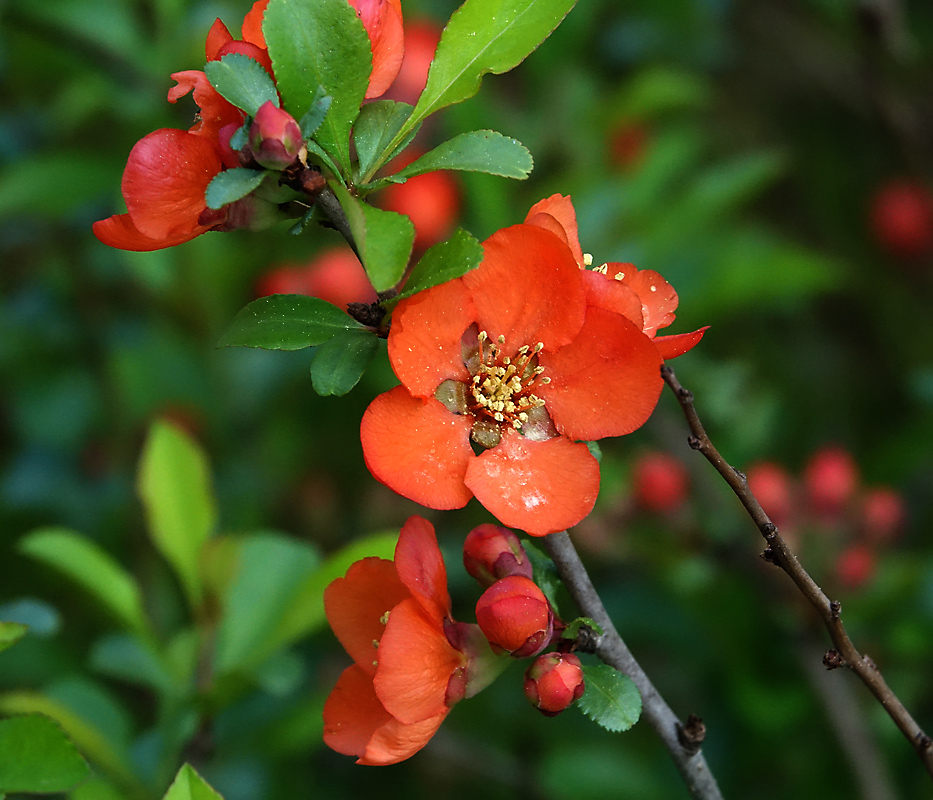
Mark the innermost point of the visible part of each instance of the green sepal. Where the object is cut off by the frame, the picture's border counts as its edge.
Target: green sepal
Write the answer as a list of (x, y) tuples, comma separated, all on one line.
[(242, 81), (611, 699), (232, 185), (339, 364)]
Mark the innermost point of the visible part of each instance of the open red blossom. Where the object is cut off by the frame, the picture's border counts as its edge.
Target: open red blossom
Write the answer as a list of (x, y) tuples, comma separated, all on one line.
[(512, 358), (412, 661), (641, 295)]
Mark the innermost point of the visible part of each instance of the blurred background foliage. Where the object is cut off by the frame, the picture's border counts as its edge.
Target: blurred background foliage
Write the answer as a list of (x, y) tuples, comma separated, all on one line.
[(771, 159)]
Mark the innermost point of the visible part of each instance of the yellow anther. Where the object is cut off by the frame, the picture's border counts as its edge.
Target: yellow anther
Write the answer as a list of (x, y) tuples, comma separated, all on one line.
[(587, 260)]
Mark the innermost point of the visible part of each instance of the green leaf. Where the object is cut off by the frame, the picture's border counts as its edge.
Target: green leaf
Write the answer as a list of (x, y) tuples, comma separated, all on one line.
[(339, 364), (287, 322), (311, 121), (485, 36), (10, 634), (174, 484), (573, 629), (611, 699), (444, 262), (320, 43), (243, 81), (374, 130), (231, 185), (269, 572), (91, 568), (188, 785), (475, 151), (37, 756), (384, 239), (128, 659)]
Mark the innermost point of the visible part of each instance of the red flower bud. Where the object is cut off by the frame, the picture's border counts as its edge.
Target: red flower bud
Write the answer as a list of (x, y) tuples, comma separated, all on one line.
[(902, 218), (772, 486), (516, 617), (274, 137), (491, 552), (831, 478), (553, 682), (882, 514), (660, 482)]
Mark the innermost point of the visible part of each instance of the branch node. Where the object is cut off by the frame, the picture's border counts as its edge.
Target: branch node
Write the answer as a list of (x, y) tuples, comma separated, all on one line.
[(769, 531), (833, 660), (835, 610), (685, 395), (691, 734), (694, 442), (769, 555), (587, 640), (924, 742), (869, 662)]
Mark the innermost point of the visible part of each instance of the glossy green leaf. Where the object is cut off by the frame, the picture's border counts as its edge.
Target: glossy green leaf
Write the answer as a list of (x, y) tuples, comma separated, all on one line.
[(174, 484), (384, 239), (93, 569), (374, 130), (485, 36), (188, 785), (243, 81), (339, 364), (320, 43), (37, 756), (314, 116), (476, 151), (287, 322), (444, 262), (10, 634), (270, 569), (611, 699), (232, 185)]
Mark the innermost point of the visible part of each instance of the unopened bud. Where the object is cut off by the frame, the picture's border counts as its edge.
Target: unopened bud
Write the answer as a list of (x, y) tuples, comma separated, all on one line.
[(515, 617), (553, 682), (492, 552), (274, 137)]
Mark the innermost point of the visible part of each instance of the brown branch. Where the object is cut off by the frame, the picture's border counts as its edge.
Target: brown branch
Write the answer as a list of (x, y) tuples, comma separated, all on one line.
[(682, 741), (778, 553)]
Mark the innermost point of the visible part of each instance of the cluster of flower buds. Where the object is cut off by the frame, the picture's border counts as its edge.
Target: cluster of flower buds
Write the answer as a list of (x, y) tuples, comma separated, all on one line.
[(828, 512)]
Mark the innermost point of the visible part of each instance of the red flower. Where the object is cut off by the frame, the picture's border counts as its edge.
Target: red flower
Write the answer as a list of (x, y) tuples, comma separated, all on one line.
[(335, 275), (412, 661), (382, 20)]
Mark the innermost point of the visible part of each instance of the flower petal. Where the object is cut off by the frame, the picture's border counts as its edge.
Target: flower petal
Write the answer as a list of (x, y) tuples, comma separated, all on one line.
[(603, 291), (540, 487), (679, 343), (528, 289), (382, 20), (420, 567), (215, 111), (119, 231), (258, 54), (417, 448), (560, 209), (424, 343), (356, 724), (164, 182), (415, 664), (217, 37), (658, 298), (356, 606), (606, 383), (252, 24)]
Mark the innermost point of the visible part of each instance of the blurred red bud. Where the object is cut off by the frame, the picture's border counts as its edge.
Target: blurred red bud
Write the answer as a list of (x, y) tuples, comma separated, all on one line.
[(660, 482), (902, 218), (627, 142), (772, 486), (553, 682), (882, 515), (274, 137), (831, 478), (431, 201), (516, 617), (491, 552), (855, 566), (421, 40), (335, 275)]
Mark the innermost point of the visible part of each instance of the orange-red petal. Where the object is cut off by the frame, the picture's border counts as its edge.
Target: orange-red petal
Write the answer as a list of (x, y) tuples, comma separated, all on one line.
[(356, 724), (119, 231), (252, 24), (164, 182), (560, 210), (539, 487), (658, 298), (676, 345), (217, 37), (602, 291), (382, 20), (417, 448), (356, 606), (528, 289), (415, 664), (215, 111), (606, 383), (420, 567), (425, 341), (259, 54)]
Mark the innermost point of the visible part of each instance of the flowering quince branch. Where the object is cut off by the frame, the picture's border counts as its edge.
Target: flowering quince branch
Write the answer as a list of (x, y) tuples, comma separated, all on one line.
[(682, 741), (844, 652)]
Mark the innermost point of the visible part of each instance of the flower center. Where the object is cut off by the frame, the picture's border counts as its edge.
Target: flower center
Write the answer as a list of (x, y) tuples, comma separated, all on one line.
[(501, 389)]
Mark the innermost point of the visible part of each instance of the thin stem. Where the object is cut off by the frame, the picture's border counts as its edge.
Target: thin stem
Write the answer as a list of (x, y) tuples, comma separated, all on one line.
[(778, 553), (682, 742)]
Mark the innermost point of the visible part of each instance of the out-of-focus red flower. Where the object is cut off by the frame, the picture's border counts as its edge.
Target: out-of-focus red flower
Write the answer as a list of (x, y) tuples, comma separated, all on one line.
[(516, 617), (554, 682), (660, 482), (412, 661), (855, 566), (831, 478), (772, 486), (431, 201), (882, 515), (641, 295), (627, 143), (421, 38), (491, 552), (902, 218), (513, 358), (335, 275)]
